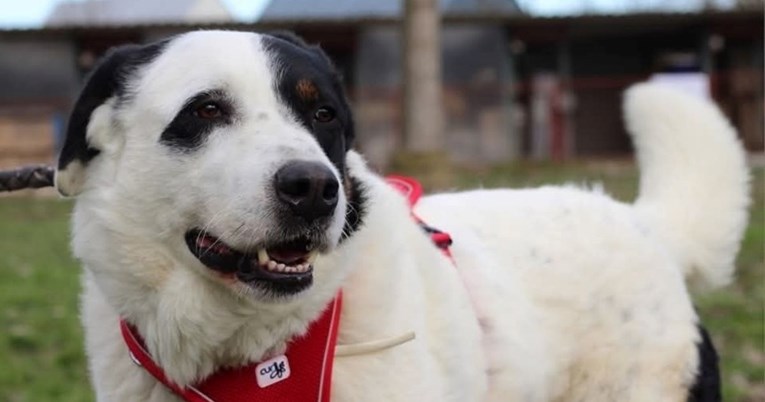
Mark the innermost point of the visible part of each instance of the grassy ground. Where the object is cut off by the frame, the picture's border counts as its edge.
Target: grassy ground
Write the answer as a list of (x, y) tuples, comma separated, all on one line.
[(41, 355)]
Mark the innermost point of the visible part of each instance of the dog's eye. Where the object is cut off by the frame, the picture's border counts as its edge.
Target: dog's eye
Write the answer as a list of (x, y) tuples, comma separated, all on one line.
[(209, 110), (324, 115)]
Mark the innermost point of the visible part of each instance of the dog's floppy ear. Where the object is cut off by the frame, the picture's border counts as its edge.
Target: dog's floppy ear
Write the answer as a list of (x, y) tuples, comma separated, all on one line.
[(107, 81), (299, 42), (289, 37)]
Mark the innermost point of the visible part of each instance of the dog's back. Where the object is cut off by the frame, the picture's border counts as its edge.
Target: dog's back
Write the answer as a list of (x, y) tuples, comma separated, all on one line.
[(606, 280)]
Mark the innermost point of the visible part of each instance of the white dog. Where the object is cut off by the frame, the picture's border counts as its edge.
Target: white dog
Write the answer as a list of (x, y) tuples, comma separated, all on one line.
[(220, 209)]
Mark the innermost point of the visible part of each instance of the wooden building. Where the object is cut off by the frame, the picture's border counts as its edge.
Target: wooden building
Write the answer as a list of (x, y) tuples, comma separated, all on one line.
[(514, 85)]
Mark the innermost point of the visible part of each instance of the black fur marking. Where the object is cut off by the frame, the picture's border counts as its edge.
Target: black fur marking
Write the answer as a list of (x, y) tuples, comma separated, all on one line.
[(107, 80), (187, 130), (298, 62), (707, 386), (356, 209)]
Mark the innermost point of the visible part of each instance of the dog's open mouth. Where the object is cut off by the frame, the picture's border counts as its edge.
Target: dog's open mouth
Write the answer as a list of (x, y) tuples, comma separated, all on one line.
[(284, 267)]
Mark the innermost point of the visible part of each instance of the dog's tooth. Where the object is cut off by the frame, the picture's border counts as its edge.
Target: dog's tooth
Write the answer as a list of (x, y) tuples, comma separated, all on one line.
[(300, 268), (280, 267), (271, 265), (311, 257), (263, 256)]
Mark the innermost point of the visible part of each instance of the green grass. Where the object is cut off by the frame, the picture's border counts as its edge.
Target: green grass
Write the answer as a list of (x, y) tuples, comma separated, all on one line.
[(41, 356), (41, 341)]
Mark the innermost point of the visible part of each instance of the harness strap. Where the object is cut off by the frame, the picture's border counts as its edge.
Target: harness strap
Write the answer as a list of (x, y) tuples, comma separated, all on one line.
[(303, 373), (412, 190)]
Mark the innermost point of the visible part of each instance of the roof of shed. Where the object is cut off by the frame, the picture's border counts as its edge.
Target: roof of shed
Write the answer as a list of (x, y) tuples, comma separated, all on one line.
[(136, 12), (355, 9)]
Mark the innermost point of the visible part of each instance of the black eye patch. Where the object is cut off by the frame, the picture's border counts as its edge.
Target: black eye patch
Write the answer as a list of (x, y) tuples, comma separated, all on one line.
[(198, 117)]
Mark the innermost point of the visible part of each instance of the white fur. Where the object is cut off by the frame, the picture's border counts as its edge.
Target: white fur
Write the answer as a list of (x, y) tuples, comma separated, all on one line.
[(556, 294), (694, 179)]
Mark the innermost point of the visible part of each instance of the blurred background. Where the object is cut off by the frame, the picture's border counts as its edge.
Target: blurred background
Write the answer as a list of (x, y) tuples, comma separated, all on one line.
[(520, 79), (461, 93)]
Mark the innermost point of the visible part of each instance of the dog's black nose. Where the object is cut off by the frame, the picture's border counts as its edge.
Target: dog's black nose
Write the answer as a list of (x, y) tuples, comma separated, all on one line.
[(309, 188)]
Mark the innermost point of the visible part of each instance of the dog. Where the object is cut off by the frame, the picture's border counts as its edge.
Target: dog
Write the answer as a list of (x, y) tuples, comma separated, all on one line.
[(220, 208)]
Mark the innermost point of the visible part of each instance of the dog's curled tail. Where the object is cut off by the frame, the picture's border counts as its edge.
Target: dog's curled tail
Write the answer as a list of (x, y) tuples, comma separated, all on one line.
[(694, 185)]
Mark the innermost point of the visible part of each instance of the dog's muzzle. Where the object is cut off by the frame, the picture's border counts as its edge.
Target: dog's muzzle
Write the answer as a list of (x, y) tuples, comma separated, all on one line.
[(306, 199)]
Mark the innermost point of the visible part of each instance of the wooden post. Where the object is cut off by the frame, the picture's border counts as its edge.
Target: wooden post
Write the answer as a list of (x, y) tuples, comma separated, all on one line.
[(423, 115), (424, 137)]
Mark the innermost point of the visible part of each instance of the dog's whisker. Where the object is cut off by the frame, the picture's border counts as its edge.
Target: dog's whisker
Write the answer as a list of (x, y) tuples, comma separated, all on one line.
[(215, 218), (232, 234)]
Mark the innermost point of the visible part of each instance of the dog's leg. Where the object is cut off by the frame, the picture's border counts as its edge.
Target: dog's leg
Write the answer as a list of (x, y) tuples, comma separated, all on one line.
[(707, 385)]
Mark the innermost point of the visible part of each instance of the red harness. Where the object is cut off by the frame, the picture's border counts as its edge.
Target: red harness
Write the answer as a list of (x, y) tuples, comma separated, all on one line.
[(412, 190), (302, 373)]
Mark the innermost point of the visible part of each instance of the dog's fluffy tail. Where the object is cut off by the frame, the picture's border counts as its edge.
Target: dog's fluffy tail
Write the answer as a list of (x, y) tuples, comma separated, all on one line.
[(694, 186)]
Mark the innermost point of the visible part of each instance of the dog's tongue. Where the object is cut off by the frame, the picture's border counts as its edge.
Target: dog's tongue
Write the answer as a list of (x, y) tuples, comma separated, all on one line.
[(287, 255)]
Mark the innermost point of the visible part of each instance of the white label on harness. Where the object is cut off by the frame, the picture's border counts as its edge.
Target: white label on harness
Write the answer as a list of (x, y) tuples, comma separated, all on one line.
[(272, 371)]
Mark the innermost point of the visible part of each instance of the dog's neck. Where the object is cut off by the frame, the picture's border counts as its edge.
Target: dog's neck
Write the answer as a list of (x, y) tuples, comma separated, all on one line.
[(191, 325), (207, 327)]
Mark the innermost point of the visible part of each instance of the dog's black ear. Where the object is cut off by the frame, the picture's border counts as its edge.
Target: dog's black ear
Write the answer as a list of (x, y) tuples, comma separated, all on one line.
[(290, 37), (106, 81), (299, 42)]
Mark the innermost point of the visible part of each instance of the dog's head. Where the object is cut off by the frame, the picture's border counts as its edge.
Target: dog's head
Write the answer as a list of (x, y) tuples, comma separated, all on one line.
[(225, 150)]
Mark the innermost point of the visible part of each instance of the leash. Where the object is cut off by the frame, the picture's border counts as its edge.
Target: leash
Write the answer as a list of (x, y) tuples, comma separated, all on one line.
[(36, 176), (39, 176)]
